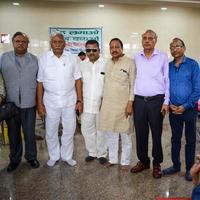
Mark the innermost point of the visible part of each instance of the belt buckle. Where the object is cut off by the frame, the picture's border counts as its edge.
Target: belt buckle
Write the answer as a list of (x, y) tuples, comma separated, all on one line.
[(145, 99)]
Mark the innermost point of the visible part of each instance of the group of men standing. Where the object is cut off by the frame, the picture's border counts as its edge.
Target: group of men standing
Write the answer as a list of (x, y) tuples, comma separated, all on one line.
[(109, 96)]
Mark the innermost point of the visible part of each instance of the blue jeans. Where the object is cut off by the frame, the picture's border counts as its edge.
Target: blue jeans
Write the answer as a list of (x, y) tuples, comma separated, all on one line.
[(196, 193), (177, 123)]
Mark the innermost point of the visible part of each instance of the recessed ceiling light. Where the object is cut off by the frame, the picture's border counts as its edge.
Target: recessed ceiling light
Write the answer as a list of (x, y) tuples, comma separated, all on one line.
[(163, 8), (15, 4), (101, 6)]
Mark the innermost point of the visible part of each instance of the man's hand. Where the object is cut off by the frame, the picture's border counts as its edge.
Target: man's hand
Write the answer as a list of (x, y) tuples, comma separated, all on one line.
[(79, 107), (1, 99), (177, 110), (173, 107), (195, 170), (164, 109), (41, 110), (129, 108)]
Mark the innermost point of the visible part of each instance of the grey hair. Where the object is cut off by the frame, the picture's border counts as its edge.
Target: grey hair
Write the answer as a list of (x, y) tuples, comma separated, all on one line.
[(151, 31), (57, 34)]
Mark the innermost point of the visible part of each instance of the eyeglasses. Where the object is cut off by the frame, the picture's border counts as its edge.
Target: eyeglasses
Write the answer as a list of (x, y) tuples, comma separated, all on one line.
[(148, 38), (175, 47), (93, 50)]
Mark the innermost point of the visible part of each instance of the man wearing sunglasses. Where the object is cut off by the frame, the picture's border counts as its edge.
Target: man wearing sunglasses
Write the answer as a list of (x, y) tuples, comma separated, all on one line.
[(92, 71), (184, 78)]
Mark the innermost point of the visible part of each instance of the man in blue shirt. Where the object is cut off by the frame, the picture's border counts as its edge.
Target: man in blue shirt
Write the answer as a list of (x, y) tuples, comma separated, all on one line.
[(184, 75)]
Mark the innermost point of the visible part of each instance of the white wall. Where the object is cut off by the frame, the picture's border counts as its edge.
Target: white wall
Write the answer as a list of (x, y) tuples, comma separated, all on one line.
[(127, 22)]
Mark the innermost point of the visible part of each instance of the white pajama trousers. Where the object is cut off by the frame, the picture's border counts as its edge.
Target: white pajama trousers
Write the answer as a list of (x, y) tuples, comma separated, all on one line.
[(113, 147), (95, 140), (67, 116)]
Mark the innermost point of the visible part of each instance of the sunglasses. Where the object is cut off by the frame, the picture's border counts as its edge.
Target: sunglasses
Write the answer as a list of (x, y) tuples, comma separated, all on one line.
[(93, 50)]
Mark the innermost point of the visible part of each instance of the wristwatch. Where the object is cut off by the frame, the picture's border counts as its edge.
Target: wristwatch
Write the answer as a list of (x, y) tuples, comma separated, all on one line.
[(79, 101)]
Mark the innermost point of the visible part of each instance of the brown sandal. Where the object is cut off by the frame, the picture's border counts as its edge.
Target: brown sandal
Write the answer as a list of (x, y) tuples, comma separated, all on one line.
[(108, 164), (125, 168)]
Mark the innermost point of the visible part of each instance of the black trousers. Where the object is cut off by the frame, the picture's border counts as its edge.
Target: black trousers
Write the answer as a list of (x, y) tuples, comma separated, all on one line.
[(147, 114), (25, 119)]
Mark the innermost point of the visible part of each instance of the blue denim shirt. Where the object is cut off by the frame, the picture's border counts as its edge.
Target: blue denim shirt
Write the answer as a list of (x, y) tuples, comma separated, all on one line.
[(184, 83)]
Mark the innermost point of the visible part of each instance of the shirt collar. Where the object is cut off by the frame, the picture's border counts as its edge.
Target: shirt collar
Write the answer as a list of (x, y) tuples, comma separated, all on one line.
[(25, 55), (183, 61), (97, 61), (155, 52), (120, 58), (63, 54)]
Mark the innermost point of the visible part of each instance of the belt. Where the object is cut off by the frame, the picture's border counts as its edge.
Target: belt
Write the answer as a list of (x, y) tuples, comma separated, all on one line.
[(150, 98)]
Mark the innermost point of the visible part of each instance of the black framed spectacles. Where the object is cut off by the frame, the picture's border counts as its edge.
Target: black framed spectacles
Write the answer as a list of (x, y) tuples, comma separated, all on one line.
[(175, 47), (91, 50)]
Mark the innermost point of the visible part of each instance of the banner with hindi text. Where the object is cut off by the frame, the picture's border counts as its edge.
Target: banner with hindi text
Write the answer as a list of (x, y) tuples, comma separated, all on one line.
[(76, 37)]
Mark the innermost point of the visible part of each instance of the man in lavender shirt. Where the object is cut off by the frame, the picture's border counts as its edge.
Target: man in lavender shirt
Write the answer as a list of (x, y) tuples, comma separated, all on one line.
[(151, 102)]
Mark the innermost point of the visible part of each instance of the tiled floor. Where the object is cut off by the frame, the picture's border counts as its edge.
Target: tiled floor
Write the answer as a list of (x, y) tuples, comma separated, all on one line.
[(89, 181)]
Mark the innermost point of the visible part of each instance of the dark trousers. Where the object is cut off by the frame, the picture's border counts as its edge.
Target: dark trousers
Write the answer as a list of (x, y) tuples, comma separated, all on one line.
[(25, 119), (177, 122), (147, 113)]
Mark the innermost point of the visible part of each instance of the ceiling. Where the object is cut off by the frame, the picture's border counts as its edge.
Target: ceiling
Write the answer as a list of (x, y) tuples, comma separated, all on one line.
[(190, 3)]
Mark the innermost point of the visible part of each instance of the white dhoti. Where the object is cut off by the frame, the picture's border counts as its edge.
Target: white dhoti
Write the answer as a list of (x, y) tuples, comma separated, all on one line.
[(95, 141), (68, 119), (113, 147)]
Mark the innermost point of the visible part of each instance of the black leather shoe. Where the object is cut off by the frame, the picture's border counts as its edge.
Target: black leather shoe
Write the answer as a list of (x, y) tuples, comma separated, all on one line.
[(102, 160), (188, 176), (34, 163), (89, 158), (171, 170), (38, 137), (12, 166)]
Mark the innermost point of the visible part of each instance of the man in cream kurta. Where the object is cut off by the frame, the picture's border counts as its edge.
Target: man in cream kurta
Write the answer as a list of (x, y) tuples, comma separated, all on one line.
[(93, 71), (117, 104)]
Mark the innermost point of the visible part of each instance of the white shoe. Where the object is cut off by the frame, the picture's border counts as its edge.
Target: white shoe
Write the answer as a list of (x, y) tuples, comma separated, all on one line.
[(51, 163), (70, 162)]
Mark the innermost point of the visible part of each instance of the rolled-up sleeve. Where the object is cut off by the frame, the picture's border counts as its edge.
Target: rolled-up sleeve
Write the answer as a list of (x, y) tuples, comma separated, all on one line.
[(40, 75), (77, 71)]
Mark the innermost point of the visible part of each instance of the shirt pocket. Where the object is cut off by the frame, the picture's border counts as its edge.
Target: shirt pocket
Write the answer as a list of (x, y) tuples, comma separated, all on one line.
[(101, 76), (86, 77), (50, 73), (120, 76)]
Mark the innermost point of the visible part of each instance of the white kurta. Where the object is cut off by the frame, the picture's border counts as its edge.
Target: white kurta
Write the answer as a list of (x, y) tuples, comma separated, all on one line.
[(93, 81), (58, 76)]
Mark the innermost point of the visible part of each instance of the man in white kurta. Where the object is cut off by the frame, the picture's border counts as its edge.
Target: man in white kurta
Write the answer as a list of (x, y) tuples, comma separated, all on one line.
[(59, 85), (93, 70)]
